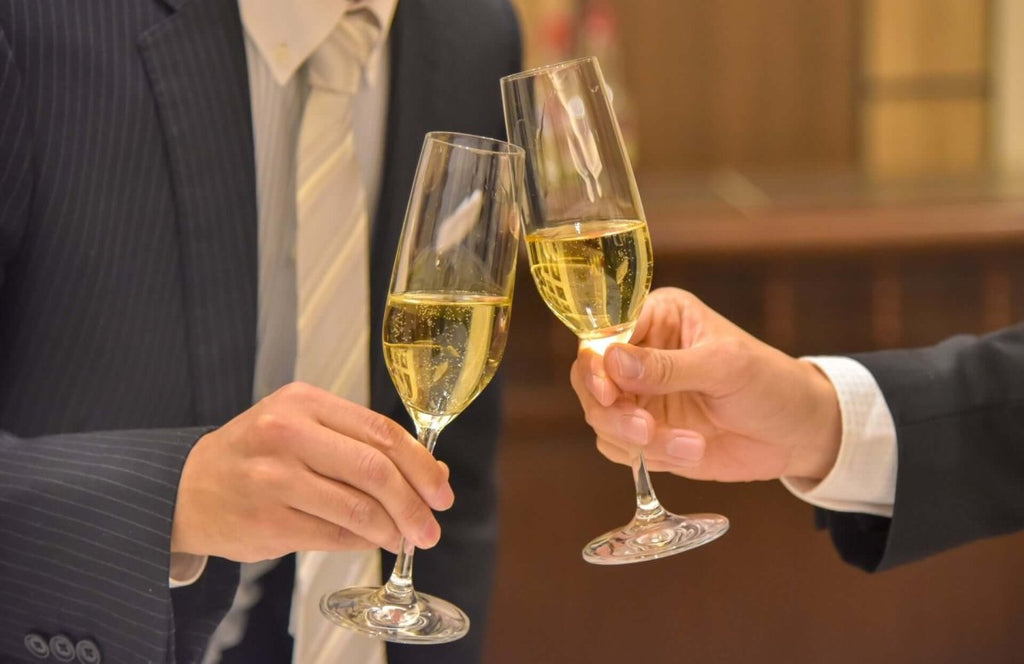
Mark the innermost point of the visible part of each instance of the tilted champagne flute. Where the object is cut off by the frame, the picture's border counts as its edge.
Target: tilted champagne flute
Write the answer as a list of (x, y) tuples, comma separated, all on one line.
[(590, 256), (445, 325)]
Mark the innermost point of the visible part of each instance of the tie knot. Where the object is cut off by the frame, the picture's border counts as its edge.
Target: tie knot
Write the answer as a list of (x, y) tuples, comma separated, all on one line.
[(338, 62)]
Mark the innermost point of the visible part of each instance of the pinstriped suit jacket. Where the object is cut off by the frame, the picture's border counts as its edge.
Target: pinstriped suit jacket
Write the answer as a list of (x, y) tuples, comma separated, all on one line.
[(128, 300)]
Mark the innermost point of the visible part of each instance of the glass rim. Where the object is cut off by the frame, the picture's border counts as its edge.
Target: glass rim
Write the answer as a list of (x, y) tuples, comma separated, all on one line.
[(554, 66), (497, 146)]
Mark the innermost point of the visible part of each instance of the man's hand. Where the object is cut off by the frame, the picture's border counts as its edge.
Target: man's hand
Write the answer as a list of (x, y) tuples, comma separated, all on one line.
[(305, 470), (706, 400)]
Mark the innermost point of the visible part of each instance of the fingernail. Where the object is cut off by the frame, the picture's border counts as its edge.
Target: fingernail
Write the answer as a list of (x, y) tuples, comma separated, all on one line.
[(634, 429), (599, 388), (685, 447), (444, 498), (629, 366), (429, 536)]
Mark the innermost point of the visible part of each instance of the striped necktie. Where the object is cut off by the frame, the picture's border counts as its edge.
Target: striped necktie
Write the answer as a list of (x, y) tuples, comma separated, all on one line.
[(332, 235), (332, 276)]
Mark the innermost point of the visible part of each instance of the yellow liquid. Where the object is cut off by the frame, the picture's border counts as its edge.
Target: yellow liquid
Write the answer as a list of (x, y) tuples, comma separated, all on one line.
[(594, 275), (442, 349)]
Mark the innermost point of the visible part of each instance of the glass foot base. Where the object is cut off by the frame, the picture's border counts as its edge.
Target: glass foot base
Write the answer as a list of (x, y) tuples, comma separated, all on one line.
[(643, 539), (367, 611)]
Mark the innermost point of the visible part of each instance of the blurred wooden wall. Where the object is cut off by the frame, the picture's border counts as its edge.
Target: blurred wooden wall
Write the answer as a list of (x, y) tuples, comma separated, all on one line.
[(739, 84), (731, 83), (773, 589), (925, 87), (894, 88), (1007, 63), (818, 171)]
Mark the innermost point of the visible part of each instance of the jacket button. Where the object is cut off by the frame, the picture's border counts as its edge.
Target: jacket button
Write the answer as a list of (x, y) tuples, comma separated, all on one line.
[(62, 649), (36, 644), (88, 652)]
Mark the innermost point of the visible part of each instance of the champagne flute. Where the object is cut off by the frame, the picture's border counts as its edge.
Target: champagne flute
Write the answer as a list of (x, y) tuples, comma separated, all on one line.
[(445, 325), (590, 256)]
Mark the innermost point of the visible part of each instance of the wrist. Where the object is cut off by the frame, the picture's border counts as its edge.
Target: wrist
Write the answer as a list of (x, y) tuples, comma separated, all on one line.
[(182, 526), (816, 453)]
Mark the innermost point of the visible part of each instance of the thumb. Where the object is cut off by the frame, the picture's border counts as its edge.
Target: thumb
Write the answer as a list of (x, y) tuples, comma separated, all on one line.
[(654, 371)]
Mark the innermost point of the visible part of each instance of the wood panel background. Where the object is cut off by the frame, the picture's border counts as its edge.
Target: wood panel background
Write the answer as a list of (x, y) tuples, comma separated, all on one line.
[(924, 87), (773, 589), (895, 88), (768, 135), (739, 84), (730, 83)]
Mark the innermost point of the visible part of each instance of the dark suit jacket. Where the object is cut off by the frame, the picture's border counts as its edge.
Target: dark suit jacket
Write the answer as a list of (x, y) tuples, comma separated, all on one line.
[(128, 300), (959, 414)]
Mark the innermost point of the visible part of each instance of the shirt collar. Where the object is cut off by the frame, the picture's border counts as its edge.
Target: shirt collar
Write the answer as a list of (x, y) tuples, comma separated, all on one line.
[(286, 33)]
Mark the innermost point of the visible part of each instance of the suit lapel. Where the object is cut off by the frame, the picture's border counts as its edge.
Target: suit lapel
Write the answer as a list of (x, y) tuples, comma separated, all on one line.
[(196, 64)]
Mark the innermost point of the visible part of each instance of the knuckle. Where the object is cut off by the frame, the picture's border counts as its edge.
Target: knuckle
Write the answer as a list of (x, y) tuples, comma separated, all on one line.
[(264, 473), (339, 536), (269, 425), (296, 391), (661, 367), (374, 469), (358, 512), (385, 434), (688, 298), (269, 431), (414, 512)]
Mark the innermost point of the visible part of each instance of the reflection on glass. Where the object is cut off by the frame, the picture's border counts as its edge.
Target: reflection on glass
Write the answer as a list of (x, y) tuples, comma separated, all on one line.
[(445, 325), (590, 256)]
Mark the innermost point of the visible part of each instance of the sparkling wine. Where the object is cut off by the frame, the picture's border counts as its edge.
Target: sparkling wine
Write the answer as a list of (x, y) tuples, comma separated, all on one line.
[(443, 348), (594, 275)]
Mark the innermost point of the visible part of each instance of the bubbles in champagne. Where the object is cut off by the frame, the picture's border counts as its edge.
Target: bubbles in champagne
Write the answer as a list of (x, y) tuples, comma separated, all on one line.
[(593, 275), (442, 349)]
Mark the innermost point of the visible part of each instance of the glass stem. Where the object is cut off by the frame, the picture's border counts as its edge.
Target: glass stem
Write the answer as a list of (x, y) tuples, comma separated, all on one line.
[(647, 506), (398, 589)]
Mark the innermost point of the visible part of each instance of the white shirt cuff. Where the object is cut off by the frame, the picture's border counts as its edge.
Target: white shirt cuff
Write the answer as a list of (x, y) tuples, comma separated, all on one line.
[(864, 476), (186, 569)]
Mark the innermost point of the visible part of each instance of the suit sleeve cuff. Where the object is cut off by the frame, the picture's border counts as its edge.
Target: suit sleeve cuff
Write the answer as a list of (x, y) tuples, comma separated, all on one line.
[(863, 479), (185, 569)]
